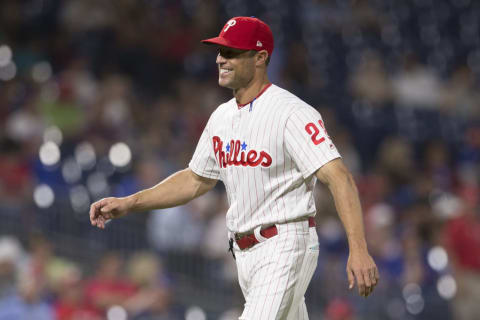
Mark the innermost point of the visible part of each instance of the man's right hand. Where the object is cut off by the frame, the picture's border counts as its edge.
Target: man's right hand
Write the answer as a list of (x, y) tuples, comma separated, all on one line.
[(108, 208)]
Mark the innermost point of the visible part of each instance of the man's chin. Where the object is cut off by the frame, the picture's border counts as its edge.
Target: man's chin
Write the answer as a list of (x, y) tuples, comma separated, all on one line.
[(225, 84)]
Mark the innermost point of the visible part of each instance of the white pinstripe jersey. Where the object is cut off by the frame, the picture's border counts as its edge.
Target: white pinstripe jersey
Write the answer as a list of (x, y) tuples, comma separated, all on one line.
[(266, 153)]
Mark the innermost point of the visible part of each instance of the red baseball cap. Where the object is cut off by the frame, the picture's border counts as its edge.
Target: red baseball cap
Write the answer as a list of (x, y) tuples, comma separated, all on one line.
[(245, 33)]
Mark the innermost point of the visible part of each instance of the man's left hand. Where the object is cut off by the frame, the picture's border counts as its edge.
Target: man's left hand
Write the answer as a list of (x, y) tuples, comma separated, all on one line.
[(362, 268)]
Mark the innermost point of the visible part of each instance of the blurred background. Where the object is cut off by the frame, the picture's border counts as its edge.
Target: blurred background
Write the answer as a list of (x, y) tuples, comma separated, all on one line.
[(102, 98)]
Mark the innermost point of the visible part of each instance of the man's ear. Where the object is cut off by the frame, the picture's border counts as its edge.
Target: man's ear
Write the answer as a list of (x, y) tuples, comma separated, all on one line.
[(261, 57)]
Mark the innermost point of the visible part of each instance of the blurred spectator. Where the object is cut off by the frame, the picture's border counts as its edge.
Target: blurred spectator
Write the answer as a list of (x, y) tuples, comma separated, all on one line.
[(395, 161), (174, 230), (180, 229), (463, 238), (383, 239), (437, 165), (43, 266), (70, 303), (415, 85), (460, 97), (153, 298), (108, 287), (15, 173), (26, 303), (23, 293), (11, 256), (370, 80)]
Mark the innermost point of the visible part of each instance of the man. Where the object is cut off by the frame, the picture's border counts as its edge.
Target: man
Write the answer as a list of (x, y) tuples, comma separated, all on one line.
[(269, 148)]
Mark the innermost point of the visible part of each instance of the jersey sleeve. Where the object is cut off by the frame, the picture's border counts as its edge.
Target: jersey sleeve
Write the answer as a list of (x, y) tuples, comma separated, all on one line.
[(203, 160), (307, 140)]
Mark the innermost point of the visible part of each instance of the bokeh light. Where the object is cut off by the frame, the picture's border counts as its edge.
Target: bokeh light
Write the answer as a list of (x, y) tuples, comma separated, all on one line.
[(412, 293), (437, 258), (444, 204), (232, 314), (49, 153), (43, 196), (41, 72), (116, 313), (5, 55), (411, 289), (120, 155), (195, 313), (79, 198), (71, 171), (331, 230), (8, 72), (85, 155), (381, 215), (415, 304), (53, 134), (97, 184), (447, 287)]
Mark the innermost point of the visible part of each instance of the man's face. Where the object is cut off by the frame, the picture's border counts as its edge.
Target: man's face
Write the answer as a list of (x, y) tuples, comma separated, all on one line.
[(236, 68)]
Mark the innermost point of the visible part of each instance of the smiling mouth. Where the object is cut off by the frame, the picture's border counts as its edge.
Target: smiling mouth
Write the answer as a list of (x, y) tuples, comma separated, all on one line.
[(224, 71)]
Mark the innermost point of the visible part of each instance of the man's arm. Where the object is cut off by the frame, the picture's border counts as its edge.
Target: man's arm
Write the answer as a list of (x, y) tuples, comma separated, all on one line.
[(178, 189), (360, 264)]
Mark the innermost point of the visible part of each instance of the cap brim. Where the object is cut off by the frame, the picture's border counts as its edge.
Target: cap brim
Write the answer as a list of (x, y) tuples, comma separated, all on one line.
[(219, 41)]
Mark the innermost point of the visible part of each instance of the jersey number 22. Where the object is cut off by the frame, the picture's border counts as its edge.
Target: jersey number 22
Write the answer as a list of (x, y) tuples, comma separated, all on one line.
[(313, 130)]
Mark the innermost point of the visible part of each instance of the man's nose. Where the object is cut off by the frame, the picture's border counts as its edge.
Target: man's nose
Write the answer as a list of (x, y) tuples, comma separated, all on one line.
[(220, 59)]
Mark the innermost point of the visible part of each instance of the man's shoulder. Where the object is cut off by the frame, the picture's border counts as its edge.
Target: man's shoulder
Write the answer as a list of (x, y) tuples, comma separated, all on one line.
[(287, 101)]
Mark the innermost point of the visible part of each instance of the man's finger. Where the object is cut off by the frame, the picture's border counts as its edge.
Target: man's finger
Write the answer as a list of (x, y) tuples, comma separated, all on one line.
[(100, 219), (93, 210), (351, 278), (360, 282), (377, 274), (371, 275), (108, 207), (368, 282), (102, 222)]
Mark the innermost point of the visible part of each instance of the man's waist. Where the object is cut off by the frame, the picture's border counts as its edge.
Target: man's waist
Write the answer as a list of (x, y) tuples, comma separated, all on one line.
[(240, 227), (249, 239)]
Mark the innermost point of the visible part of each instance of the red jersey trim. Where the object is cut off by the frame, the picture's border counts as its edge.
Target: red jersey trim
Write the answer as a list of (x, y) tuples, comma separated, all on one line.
[(261, 92)]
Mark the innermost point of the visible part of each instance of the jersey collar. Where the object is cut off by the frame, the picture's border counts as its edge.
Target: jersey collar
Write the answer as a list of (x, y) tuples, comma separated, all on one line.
[(240, 106)]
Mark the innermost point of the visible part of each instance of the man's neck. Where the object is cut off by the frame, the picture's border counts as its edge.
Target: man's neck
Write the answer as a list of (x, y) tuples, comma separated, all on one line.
[(248, 93)]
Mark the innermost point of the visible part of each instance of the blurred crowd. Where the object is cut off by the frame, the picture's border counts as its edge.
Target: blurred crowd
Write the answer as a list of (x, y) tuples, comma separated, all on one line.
[(36, 284), (102, 98)]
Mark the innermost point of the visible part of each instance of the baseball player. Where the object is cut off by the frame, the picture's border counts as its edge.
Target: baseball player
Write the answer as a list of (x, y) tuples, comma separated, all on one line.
[(269, 148)]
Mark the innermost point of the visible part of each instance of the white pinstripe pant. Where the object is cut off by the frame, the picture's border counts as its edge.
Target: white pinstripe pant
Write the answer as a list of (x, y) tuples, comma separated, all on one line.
[(275, 273)]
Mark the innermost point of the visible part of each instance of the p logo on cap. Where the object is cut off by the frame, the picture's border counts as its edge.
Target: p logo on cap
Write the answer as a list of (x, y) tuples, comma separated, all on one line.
[(245, 33), (230, 23)]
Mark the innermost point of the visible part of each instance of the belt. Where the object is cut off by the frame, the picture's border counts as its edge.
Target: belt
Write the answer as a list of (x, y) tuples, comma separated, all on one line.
[(249, 240)]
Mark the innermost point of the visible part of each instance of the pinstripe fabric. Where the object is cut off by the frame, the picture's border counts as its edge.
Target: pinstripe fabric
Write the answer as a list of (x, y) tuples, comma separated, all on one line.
[(266, 154), (275, 125), (274, 274)]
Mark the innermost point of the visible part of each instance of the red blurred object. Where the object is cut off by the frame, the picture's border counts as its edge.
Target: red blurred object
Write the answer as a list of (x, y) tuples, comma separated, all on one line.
[(339, 309), (463, 236)]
